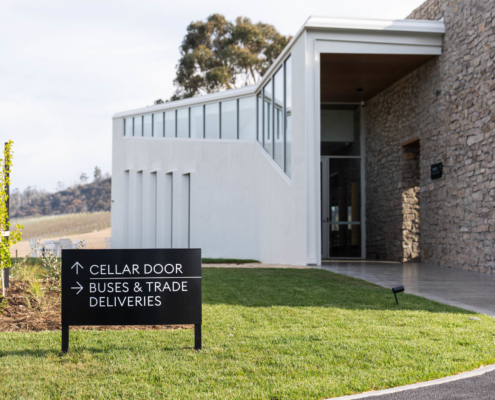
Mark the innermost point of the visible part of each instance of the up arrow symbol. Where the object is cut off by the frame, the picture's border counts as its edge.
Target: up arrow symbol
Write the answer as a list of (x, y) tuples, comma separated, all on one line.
[(77, 265), (80, 287)]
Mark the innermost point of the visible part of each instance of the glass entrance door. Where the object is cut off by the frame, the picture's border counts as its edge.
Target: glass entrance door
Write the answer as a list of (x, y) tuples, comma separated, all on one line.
[(341, 207), (341, 182)]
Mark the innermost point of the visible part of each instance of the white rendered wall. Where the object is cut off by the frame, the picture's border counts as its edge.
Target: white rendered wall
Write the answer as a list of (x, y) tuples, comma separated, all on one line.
[(242, 205)]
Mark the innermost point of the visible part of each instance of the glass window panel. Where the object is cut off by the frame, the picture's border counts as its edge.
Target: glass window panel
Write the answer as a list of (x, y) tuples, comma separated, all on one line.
[(212, 121), (267, 118), (279, 137), (260, 119), (340, 130), (138, 126), (170, 123), (288, 116), (183, 123), (229, 119), (158, 124), (197, 122), (147, 125), (278, 131), (128, 127), (247, 118)]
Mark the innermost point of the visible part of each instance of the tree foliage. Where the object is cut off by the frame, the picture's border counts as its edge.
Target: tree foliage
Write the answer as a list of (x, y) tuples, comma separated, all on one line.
[(217, 54), (97, 174), (14, 236)]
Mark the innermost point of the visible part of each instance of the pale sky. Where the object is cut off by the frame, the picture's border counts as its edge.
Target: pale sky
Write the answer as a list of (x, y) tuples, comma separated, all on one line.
[(67, 66)]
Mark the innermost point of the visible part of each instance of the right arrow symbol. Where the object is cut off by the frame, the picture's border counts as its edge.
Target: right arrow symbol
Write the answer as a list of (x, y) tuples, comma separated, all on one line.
[(80, 287), (77, 265)]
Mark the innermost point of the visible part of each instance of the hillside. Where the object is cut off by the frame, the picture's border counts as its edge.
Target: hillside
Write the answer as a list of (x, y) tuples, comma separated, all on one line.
[(63, 225), (91, 197)]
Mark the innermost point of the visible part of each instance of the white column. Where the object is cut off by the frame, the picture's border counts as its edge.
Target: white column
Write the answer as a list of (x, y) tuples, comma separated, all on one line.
[(132, 199), (138, 211), (194, 241), (153, 208), (176, 195), (148, 222), (312, 116), (164, 209), (124, 222), (184, 210)]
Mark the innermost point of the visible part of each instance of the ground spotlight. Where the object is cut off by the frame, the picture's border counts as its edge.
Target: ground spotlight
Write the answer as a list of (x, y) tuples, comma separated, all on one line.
[(396, 290)]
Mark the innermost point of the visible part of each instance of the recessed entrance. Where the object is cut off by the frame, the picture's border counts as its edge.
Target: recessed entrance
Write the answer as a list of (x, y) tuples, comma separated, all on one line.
[(341, 181), (347, 80)]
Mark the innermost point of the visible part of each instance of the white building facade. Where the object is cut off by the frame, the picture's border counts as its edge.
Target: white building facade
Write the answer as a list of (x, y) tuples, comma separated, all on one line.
[(275, 171)]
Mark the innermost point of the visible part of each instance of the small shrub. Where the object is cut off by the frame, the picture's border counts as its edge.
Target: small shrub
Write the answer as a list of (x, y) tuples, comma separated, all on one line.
[(51, 264), (36, 290), (25, 271)]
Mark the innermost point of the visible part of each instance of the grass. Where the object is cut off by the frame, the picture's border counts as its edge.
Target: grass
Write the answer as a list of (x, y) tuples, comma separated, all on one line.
[(227, 261), (267, 333), (62, 225)]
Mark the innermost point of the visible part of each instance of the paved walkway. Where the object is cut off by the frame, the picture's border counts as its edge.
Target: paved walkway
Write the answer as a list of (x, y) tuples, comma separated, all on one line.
[(465, 289), (474, 385)]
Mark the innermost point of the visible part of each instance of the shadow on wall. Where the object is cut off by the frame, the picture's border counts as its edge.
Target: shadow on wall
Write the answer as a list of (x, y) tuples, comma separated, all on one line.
[(306, 288)]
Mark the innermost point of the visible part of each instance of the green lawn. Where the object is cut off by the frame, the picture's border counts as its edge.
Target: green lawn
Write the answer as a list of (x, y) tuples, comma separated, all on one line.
[(227, 261), (267, 333)]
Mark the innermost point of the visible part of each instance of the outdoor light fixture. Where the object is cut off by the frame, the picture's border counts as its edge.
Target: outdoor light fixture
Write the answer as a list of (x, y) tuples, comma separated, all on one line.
[(396, 290)]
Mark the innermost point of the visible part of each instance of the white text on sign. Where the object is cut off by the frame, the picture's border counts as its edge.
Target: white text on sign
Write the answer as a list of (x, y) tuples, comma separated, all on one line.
[(135, 269)]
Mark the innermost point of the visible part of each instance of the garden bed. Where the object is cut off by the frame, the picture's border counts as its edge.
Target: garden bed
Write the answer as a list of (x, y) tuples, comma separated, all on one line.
[(23, 311)]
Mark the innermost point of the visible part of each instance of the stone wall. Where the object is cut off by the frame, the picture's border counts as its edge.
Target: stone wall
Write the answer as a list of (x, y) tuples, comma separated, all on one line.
[(410, 203), (449, 104)]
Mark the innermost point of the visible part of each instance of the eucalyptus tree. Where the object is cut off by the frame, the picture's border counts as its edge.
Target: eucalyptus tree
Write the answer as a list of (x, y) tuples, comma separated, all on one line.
[(217, 55)]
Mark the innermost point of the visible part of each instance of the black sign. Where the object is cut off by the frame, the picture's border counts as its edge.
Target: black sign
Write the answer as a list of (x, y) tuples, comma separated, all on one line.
[(436, 171), (131, 287)]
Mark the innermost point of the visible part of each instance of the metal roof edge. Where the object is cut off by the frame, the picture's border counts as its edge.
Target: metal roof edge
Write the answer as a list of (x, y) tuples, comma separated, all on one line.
[(225, 95), (407, 25)]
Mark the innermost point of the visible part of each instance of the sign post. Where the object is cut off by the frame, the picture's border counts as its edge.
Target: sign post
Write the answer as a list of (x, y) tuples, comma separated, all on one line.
[(131, 287)]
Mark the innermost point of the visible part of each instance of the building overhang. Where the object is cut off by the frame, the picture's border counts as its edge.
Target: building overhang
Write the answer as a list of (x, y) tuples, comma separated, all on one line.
[(361, 58), (348, 78)]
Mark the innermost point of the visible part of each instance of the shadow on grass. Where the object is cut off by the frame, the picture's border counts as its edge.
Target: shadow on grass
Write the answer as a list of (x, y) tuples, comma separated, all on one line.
[(307, 288), (80, 349), (28, 352)]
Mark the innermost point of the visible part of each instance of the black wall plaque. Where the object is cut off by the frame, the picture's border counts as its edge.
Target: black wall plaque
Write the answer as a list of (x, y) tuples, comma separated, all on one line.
[(436, 171), (131, 287)]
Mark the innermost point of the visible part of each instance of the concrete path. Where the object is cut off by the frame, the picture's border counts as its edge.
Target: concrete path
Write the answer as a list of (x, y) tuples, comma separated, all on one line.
[(474, 385), (465, 289)]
